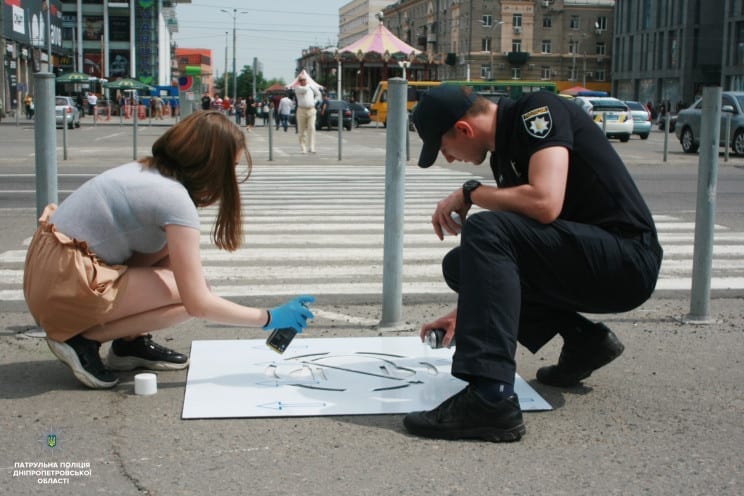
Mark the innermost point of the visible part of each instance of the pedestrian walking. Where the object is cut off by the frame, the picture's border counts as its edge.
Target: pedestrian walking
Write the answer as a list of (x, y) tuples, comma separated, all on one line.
[(307, 98)]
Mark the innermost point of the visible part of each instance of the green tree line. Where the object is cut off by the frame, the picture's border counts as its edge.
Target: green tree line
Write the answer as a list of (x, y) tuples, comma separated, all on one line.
[(245, 83)]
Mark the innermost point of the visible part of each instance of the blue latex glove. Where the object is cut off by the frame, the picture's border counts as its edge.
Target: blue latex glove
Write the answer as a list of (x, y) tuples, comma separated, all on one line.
[(293, 314)]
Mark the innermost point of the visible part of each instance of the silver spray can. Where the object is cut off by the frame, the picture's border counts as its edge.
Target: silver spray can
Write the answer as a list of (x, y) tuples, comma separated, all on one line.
[(435, 337)]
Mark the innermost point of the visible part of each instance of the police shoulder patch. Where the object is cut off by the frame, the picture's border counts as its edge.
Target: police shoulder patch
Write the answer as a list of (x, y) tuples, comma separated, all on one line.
[(537, 122)]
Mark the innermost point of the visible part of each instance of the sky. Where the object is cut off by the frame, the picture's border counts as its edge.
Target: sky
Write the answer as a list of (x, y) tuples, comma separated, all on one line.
[(274, 31)]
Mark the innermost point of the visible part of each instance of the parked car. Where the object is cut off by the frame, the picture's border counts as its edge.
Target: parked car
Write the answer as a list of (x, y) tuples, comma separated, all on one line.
[(610, 114), (672, 122), (687, 129), (330, 119), (66, 112), (641, 118), (361, 114)]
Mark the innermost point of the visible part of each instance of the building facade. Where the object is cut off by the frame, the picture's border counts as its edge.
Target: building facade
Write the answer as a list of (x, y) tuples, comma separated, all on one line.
[(569, 42), (111, 39), (566, 41), (357, 18), (197, 57), (106, 39), (667, 50), (28, 29)]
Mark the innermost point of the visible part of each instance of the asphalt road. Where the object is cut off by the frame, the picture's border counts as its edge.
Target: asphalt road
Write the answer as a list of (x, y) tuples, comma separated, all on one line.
[(664, 419)]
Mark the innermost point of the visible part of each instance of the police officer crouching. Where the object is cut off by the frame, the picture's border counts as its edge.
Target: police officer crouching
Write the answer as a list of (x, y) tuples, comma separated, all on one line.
[(564, 230)]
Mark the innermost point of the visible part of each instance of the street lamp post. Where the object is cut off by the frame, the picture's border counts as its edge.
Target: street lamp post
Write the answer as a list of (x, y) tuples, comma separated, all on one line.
[(495, 22), (224, 76), (235, 13), (404, 64), (47, 7), (583, 82)]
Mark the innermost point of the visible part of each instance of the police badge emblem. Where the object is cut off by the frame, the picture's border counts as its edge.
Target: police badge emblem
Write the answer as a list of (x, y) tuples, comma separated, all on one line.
[(538, 122), (52, 440)]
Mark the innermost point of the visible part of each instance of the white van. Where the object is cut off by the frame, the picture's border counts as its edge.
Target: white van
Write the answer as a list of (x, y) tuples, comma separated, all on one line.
[(610, 114)]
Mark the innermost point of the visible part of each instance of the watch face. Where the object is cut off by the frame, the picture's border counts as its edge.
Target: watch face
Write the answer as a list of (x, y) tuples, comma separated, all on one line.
[(470, 185), (468, 188)]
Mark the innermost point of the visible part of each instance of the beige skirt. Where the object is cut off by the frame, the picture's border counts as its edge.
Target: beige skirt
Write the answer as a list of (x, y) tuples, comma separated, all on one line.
[(67, 289)]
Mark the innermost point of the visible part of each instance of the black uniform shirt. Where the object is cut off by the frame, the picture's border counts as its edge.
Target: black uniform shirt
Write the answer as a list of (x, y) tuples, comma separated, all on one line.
[(599, 189)]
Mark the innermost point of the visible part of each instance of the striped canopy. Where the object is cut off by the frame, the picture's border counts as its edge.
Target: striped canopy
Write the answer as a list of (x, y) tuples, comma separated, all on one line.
[(380, 41)]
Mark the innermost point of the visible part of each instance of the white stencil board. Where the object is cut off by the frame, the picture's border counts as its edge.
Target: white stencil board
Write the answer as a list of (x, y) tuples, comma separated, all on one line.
[(323, 376)]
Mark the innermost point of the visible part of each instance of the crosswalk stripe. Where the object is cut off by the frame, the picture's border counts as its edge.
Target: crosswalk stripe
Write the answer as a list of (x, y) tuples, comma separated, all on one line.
[(320, 230)]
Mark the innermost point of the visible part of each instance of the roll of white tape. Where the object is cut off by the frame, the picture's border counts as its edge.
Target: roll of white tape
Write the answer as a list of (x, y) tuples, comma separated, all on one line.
[(145, 384)]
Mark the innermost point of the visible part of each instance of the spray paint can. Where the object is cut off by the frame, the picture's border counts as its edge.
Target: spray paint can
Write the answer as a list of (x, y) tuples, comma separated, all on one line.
[(435, 337)]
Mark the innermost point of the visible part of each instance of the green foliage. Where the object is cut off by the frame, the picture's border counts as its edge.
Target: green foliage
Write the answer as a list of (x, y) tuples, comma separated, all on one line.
[(245, 83)]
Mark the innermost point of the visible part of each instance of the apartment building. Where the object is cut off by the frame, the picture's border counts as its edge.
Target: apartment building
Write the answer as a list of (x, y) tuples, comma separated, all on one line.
[(668, 50), (566, 41)]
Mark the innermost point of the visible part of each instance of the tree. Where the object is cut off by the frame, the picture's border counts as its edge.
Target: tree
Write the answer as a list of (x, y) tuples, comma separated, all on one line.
[(245, 83)]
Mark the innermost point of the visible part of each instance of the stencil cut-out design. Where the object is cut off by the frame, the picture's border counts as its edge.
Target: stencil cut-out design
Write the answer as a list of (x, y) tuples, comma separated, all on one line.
[(327, 376)]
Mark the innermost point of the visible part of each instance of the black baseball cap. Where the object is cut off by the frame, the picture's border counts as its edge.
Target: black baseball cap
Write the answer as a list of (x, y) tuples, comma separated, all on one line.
[(436, 113)]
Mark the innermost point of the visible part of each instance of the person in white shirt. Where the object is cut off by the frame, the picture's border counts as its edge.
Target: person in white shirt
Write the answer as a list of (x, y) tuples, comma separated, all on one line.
[(92, 101), (307, 96), (285, 108), (119, 257)]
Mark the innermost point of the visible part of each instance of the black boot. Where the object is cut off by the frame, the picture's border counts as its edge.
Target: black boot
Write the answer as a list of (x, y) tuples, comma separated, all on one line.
[(583, 353)]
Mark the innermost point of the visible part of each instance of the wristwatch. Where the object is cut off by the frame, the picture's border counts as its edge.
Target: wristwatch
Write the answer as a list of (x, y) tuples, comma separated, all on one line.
[(467, 188)]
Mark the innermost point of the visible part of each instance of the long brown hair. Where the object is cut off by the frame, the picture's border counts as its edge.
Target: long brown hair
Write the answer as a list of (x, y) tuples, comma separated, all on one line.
[(200, 152)]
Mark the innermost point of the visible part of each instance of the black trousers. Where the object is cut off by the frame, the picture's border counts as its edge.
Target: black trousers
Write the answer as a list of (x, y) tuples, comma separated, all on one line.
[(520, 280)]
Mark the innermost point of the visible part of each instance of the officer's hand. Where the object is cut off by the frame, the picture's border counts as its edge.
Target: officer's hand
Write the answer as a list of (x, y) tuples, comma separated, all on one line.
[(443, 219), (292, 314), (447, 322)]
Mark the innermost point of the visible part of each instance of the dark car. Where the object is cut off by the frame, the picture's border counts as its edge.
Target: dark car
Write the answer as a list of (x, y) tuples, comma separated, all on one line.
[(661, 120), (361, 114), (330, 119), (689, 123)]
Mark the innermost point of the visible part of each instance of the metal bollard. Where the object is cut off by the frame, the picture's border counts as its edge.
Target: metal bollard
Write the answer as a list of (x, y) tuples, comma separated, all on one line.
[(135, 113), (340, 130), (702, 260), (64, 137), (45, 141), (727, 141), (271, 136), (395, 182), (667, 120)]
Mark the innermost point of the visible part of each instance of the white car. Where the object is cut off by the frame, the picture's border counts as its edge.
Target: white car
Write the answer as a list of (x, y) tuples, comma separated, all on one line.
[(610, 114), (66, 112)]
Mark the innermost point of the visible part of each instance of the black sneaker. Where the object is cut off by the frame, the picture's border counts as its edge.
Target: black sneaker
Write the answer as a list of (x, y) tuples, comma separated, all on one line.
[(145, 353), (579, 358), (468, 416), (81, 355)]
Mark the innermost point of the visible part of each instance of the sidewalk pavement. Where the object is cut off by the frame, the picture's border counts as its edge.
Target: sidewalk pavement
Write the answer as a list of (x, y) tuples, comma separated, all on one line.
[(665, 418)]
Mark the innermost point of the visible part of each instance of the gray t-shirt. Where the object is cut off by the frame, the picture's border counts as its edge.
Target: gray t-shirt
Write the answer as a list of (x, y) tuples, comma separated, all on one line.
[(124, 210)]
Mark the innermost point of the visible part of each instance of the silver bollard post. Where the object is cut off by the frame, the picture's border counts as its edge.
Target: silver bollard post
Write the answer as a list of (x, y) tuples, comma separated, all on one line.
[(340, 130), (395, 192), (271, 123), (727, 141), (45, 141), (702, 259), (667, 120), (408, 134), (64, 136), (134, 125)]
